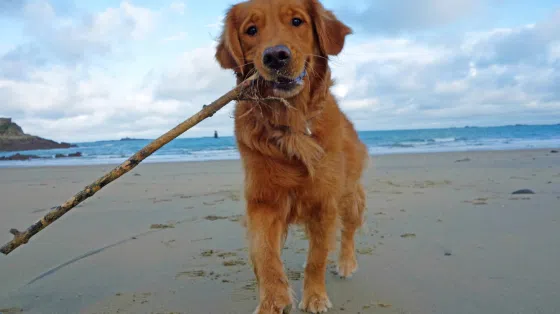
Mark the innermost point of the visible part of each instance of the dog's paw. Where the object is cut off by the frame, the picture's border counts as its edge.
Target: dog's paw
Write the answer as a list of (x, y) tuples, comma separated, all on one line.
[(276, 302), (347, 267), (286, 310), (315, 303)]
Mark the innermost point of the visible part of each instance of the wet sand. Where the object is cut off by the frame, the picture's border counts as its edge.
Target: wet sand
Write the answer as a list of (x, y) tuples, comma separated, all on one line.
[(445, 234)]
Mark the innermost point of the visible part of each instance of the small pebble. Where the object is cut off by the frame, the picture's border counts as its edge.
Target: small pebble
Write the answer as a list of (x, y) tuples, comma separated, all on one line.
[(523, 191)]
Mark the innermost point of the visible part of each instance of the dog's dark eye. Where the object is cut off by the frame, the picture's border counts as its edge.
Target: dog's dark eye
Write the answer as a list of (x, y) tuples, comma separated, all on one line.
[(252, 31), (296, 22)]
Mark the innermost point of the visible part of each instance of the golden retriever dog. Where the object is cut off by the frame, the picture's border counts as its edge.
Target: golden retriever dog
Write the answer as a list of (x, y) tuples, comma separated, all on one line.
[(302, 158)]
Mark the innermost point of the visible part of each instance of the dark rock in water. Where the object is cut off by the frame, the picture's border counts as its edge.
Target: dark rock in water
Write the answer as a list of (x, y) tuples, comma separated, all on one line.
[(12, 138), (523, 191), (72, 155), (19, 157), (554, 152)]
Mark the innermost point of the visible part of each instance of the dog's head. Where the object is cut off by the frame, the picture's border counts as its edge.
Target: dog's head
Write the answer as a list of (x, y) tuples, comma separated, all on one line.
[(280, 39)]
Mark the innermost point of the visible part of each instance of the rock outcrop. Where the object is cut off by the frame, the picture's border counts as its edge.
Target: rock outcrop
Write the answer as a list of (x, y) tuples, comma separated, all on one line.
[(21, 157), (12, 138)]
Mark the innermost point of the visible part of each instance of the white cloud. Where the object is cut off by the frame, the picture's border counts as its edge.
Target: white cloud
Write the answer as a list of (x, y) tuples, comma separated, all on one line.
[(554, 52), (218, 24), (194, 77), (488, 78), (75, 39), (454, 87), (178, 7), (177, 37), (411, 15), (39, 10)]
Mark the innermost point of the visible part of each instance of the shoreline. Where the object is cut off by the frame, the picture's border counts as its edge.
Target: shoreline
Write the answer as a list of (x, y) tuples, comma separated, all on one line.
[(82, 161)]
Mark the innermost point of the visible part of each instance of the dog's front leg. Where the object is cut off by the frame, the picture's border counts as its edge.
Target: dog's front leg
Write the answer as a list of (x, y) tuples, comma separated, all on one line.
[(267, 228), (321, 226)]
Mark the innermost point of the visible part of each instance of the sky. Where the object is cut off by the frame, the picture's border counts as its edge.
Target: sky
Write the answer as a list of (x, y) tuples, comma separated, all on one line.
[(100, 70)]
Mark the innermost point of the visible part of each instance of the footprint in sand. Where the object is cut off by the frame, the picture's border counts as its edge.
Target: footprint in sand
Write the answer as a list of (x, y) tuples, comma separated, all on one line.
[(234, 218), (214, 217), (207, 253), (365, 251), (463, 160), (251, 286), (134, 297), (227, 254), (431, 184), (11, 310), (370, 306), (162, 226), (191, 274), (519, 198), (235, 196), (155, 201), (294, 275), (237, 262), (408, 235), (169, 243), (478, 201), (214, 202)]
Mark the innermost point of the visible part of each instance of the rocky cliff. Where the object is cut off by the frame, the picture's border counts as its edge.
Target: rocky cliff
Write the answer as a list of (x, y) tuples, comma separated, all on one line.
[(12, 138)]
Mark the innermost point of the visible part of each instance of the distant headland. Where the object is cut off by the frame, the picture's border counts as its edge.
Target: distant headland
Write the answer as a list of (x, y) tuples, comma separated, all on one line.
[(12, 138), (132, 139)]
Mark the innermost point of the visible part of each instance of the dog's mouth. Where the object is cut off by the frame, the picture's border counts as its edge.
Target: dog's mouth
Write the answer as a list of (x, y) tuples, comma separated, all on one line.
[(286, 84)]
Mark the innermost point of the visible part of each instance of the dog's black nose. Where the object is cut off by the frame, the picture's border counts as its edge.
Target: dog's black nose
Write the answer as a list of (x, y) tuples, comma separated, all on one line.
[(276, 57)]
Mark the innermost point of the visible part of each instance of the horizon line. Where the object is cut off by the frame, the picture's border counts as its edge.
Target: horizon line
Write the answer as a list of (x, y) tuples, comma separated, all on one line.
[(380, 130)]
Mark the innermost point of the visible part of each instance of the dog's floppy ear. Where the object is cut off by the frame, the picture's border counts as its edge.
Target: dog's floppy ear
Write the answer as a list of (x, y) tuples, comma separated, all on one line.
[(330, 31), (228, 52)]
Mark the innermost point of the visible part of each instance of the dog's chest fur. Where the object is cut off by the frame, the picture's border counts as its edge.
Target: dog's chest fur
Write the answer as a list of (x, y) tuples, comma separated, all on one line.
[(290, 138)]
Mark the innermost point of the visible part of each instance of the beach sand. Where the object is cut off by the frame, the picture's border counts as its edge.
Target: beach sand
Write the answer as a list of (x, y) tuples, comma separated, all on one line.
[(445, 234)]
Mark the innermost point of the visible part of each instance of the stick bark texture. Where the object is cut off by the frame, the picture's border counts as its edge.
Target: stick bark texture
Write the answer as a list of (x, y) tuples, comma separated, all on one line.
[(21, 238)]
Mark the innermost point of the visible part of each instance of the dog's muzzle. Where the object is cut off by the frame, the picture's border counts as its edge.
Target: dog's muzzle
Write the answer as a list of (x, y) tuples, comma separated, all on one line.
[(285, 83)]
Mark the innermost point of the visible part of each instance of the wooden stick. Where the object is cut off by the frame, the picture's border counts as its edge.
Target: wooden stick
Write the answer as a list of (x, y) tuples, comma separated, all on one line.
[(57, 212)]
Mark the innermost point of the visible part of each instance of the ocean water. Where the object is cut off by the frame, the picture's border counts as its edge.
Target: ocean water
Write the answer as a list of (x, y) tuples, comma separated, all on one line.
[(378, 142)]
